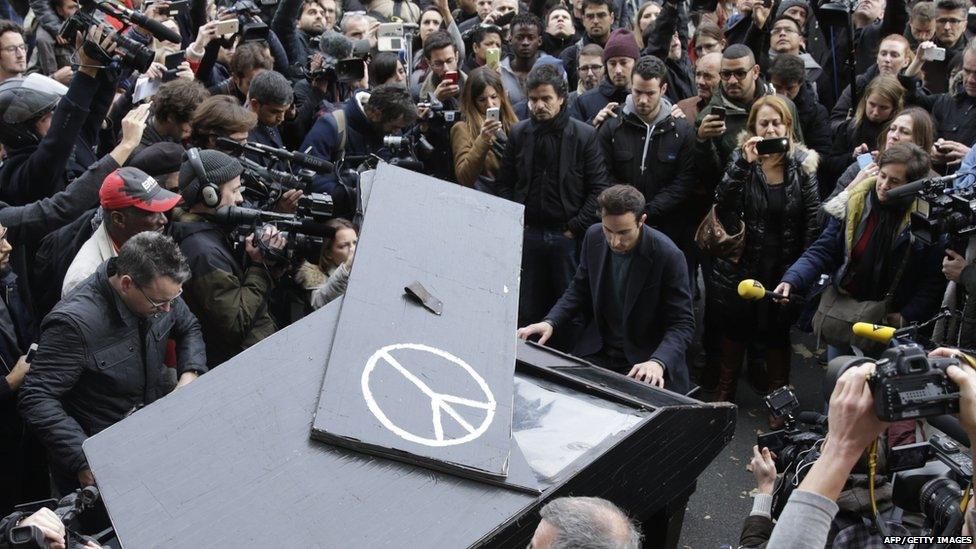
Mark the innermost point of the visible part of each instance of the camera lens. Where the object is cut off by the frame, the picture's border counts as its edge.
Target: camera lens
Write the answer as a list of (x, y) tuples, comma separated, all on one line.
[(939, 500)]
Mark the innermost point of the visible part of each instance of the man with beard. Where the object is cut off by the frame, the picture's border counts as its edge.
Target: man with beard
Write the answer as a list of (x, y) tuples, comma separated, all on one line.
[(740, 86), (598, 20), (132, 202), (649, 149), (554, 166), (13, 50), (619, 56), (526, 30), (443, 95), (706, 82), (296, 22)]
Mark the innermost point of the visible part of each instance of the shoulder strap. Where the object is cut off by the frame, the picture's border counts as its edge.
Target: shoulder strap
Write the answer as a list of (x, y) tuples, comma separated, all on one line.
[(398, 9), (340, 118)]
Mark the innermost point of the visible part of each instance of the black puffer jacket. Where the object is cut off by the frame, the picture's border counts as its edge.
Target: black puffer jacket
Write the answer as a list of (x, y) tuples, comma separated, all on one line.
[(742, 195)]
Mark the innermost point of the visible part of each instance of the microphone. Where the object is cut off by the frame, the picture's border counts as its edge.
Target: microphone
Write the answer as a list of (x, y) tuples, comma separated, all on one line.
[(915, 186), (305, 160), (753, 290), (874, 332), (155, 27)]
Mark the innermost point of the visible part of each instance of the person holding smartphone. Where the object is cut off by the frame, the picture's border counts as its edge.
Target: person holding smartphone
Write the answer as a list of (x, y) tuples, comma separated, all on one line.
[(488, 116), (770, 189)]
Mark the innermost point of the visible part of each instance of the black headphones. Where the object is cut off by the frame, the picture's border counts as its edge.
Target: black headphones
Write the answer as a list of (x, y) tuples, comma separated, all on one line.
[(203, 189)]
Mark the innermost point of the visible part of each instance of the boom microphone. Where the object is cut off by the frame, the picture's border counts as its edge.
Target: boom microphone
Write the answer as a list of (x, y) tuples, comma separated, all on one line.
[(155, 27), (753, 290), (874, 332)]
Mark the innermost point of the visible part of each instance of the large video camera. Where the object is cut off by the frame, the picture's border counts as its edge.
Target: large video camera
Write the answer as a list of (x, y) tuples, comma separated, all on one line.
[(408, 149), (68, 509), (941, 206), (303, 233), (906, 383), (249, 16), (128, 52)]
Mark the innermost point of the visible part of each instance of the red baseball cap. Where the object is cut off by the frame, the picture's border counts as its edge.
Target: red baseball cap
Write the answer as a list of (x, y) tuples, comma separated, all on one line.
[(133, 187)]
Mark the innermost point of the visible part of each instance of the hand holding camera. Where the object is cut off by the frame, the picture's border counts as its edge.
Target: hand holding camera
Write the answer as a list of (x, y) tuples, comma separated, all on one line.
[(270, 239)]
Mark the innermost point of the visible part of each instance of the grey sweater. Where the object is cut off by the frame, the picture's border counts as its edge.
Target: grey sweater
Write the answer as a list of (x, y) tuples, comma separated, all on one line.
[(804, 522)]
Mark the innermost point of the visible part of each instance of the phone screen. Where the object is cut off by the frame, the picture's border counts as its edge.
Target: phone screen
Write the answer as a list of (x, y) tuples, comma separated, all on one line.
[(864, 160)]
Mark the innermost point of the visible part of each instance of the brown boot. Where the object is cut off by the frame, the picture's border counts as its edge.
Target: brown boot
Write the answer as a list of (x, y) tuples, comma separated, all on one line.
[(728, 375), (778, 371)]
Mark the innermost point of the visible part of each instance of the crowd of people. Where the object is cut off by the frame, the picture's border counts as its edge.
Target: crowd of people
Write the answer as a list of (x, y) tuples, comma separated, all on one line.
[(664, 151)]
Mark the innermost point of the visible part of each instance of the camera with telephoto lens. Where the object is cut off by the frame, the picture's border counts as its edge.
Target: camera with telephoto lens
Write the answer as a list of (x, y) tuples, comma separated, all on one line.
[(943, 206), (906, 383), (303, 234), (932, 488), (68, 509), (128, 52)]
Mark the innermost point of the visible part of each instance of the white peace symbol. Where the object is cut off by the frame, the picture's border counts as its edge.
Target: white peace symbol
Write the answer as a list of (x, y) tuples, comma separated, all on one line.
[(439, 403)]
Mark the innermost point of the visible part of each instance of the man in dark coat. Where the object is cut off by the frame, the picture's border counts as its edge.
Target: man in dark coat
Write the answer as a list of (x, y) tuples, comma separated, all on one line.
[(632, 289), (786, 74), (648, 148), (619, 56), (599, 17), (100, 355), (554, 166)]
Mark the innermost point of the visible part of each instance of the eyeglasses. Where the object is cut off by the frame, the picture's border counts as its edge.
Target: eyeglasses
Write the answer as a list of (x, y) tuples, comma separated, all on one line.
[(12, 49), (441, 64), (595, 16), (590, 68), (949, 21), (159, 306), (739, 74), (783, 30)]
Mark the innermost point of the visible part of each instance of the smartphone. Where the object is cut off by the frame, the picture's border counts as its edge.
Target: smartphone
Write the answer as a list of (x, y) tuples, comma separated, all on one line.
[(934, 54), (493, 57), (864, 160), (228, 26), (30, 353), (178, 6), (493, 113), (719, 112), (505, 19), (173, 60), (452, 77), (773, 145)]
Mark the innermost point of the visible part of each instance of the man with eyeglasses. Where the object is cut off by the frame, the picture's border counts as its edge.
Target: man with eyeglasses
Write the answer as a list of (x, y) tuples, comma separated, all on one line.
[(443, 94), (950, 34), (13, 50), (786, 38), (100, 354), (598, 20)]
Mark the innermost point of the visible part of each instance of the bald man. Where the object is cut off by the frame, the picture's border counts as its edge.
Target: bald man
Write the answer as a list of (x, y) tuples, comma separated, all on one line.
[(584, 522), (706, 80)]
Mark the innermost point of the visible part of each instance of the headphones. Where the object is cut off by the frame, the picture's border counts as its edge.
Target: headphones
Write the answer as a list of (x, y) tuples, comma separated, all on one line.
[(203, 188)]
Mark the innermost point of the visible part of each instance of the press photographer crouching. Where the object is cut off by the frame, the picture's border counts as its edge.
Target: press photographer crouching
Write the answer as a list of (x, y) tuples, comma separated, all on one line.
[(101, 350), (228, 292)]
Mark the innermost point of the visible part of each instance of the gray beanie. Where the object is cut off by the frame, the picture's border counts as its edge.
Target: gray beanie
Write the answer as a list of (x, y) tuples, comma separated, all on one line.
[(218, 166)]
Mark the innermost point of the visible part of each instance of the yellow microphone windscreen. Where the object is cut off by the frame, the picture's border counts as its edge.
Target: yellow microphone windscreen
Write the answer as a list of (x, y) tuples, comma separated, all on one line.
[(874, 332)]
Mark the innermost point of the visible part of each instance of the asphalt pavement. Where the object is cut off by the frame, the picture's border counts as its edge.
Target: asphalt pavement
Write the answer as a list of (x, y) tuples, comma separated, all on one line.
[(722, 501)]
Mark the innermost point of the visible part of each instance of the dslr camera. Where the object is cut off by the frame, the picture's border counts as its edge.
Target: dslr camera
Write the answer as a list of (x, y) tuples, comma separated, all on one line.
[(906, 384), (251, 27)]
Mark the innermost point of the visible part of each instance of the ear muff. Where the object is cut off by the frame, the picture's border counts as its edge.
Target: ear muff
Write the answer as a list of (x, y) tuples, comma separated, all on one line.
[(209, 193)]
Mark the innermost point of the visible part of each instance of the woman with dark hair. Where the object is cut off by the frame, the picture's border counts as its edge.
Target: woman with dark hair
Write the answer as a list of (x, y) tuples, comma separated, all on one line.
[(472, 140), (912, 125), (327, 280), (774, 197), (883, 98), (386, 68)]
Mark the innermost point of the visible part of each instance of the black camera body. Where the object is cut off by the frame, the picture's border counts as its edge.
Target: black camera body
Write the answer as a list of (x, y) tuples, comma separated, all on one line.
[(937, 213), (926, 488), (907, 384), (68, 509), (128, 52), (249, 14)]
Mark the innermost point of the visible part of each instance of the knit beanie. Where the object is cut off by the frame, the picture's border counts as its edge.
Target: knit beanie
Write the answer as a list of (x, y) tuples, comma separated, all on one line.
[(219, 168), (621, 44)]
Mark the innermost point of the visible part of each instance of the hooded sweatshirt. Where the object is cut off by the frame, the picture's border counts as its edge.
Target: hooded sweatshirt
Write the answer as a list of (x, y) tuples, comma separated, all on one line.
[(662, 113)]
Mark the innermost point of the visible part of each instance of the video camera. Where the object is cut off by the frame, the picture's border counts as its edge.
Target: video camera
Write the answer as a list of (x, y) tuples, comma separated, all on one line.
[(906, 383), (941, 207), (932, 489), (303, 233), (795, 446), (408, 149), (68, 509), (128, 52)]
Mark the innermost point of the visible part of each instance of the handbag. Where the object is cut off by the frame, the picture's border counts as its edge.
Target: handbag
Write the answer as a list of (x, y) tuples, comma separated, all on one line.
[(837, 313), (712, 237)]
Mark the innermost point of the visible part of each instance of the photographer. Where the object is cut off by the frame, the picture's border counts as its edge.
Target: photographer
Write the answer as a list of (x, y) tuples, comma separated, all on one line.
[(269, 97), (220, 116), (296, 22), (39, 128), (100, 354), (46, 521), (249, 60), (357, 129), (877, 267), (443, 94), (321, 92), (227, 294)]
